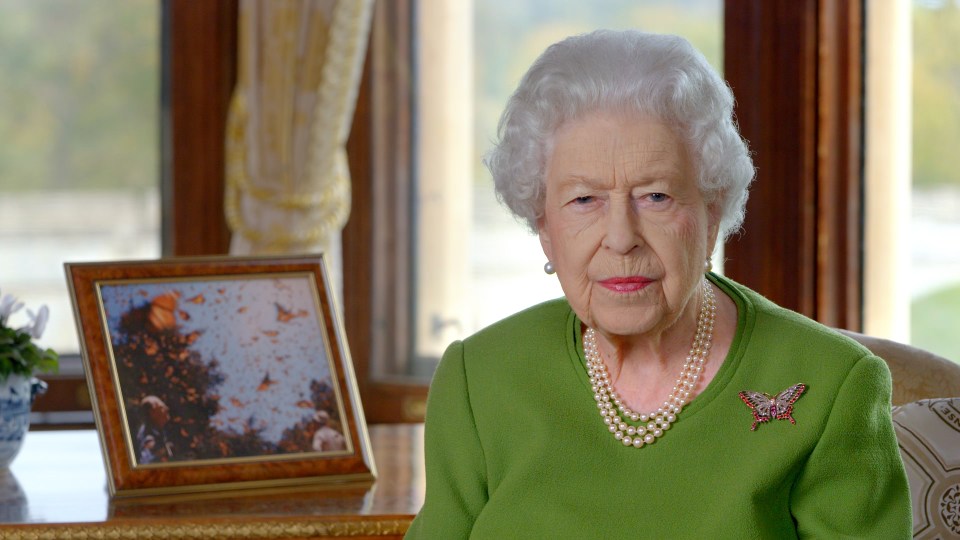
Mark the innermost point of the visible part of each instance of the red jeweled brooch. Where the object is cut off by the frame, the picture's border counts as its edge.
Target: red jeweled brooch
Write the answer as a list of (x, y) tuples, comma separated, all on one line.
[(765, 408)]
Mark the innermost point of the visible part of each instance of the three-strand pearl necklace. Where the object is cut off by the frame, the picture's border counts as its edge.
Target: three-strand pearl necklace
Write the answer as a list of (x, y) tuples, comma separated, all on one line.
[(617, 416)]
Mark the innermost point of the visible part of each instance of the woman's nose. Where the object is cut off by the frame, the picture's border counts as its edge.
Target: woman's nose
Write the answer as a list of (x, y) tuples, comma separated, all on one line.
[(622, 232)]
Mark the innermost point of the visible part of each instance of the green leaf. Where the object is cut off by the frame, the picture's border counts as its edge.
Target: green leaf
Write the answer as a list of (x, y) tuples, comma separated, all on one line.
[(20, 356)]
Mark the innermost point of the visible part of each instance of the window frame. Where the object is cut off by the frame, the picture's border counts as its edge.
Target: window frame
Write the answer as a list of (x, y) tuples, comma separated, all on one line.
[(200, 65), (377, 239)]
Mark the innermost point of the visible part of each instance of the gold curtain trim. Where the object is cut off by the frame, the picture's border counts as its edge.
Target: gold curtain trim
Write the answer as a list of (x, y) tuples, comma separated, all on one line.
[(342, 61)]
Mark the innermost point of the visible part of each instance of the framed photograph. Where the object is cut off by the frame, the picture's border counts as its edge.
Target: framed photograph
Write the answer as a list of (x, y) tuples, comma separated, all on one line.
[(211, 374)]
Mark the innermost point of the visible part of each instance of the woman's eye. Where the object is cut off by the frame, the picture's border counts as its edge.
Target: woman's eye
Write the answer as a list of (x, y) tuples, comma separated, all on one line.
[(658, 197), (583, 199)]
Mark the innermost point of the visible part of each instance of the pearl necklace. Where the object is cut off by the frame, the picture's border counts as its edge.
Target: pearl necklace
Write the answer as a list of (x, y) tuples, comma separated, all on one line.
[(616, 414)]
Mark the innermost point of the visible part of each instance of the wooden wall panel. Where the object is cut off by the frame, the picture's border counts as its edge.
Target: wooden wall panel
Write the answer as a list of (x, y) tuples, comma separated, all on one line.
[(202, 74), (796, 70)]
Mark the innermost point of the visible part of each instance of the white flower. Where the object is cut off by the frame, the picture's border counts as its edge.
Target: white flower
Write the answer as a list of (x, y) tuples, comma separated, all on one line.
[(8, 306), (38, 322)]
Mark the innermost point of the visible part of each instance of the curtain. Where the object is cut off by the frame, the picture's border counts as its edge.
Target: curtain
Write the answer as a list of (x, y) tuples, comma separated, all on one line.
[(288, 183)]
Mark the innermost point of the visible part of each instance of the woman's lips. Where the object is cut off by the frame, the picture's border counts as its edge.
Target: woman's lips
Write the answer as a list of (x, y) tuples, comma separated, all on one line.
[(626, 284)]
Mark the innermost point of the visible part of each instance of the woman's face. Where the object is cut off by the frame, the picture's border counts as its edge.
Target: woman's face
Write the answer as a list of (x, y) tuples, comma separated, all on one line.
[(625, 224)]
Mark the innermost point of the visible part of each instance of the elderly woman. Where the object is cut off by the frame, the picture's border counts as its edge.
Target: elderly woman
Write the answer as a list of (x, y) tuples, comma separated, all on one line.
[(657, 399)]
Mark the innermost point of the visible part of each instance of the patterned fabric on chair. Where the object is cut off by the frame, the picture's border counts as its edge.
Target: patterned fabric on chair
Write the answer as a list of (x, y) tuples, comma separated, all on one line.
[(929, 435)]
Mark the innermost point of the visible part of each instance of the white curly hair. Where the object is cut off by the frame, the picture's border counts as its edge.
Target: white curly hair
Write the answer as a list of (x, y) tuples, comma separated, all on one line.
[(629, 71)]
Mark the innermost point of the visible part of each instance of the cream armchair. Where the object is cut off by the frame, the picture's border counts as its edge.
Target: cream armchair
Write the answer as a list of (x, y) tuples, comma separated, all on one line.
[(926, 417)]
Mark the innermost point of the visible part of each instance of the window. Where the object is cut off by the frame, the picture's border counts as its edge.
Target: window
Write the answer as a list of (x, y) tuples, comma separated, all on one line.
[(79, 166), (913, 192), (98, 158), (935, 208)]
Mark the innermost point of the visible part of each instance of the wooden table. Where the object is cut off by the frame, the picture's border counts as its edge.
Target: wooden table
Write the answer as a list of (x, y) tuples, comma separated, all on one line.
[(56, 488)]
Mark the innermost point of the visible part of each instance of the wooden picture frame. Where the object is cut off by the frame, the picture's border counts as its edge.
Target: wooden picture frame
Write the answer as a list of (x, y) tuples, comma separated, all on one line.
[(219, 373)]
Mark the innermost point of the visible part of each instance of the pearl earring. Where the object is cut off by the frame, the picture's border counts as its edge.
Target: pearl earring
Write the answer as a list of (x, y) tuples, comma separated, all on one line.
[(549, 269), (708, 266)]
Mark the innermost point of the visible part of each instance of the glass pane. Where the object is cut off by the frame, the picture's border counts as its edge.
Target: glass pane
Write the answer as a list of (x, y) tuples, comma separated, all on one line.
[(935, 217), (79, 121), (475, 263)]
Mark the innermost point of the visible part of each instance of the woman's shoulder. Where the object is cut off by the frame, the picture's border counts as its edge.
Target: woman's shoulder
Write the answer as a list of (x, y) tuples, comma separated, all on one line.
[(774, 337), (519, 340), (778, 324), (508, 351)]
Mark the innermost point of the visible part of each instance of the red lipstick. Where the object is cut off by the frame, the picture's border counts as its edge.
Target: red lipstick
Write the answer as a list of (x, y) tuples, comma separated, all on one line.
[(626, 284)]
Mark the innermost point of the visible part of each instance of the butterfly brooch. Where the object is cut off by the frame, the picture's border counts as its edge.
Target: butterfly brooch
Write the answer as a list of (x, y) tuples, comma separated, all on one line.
[(766, 408)]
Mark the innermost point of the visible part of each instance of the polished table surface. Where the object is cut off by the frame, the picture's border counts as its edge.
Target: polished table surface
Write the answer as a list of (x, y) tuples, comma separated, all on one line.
[(56, 488)]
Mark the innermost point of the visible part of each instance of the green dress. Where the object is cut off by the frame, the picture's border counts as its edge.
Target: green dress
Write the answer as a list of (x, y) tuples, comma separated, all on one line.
[(515, 446)]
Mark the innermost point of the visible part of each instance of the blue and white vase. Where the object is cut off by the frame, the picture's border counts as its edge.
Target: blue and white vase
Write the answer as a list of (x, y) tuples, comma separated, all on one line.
[(16, 397)]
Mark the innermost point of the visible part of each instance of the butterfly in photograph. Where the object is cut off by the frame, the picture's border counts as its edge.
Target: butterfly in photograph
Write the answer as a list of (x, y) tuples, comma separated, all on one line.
[(766, 408)]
